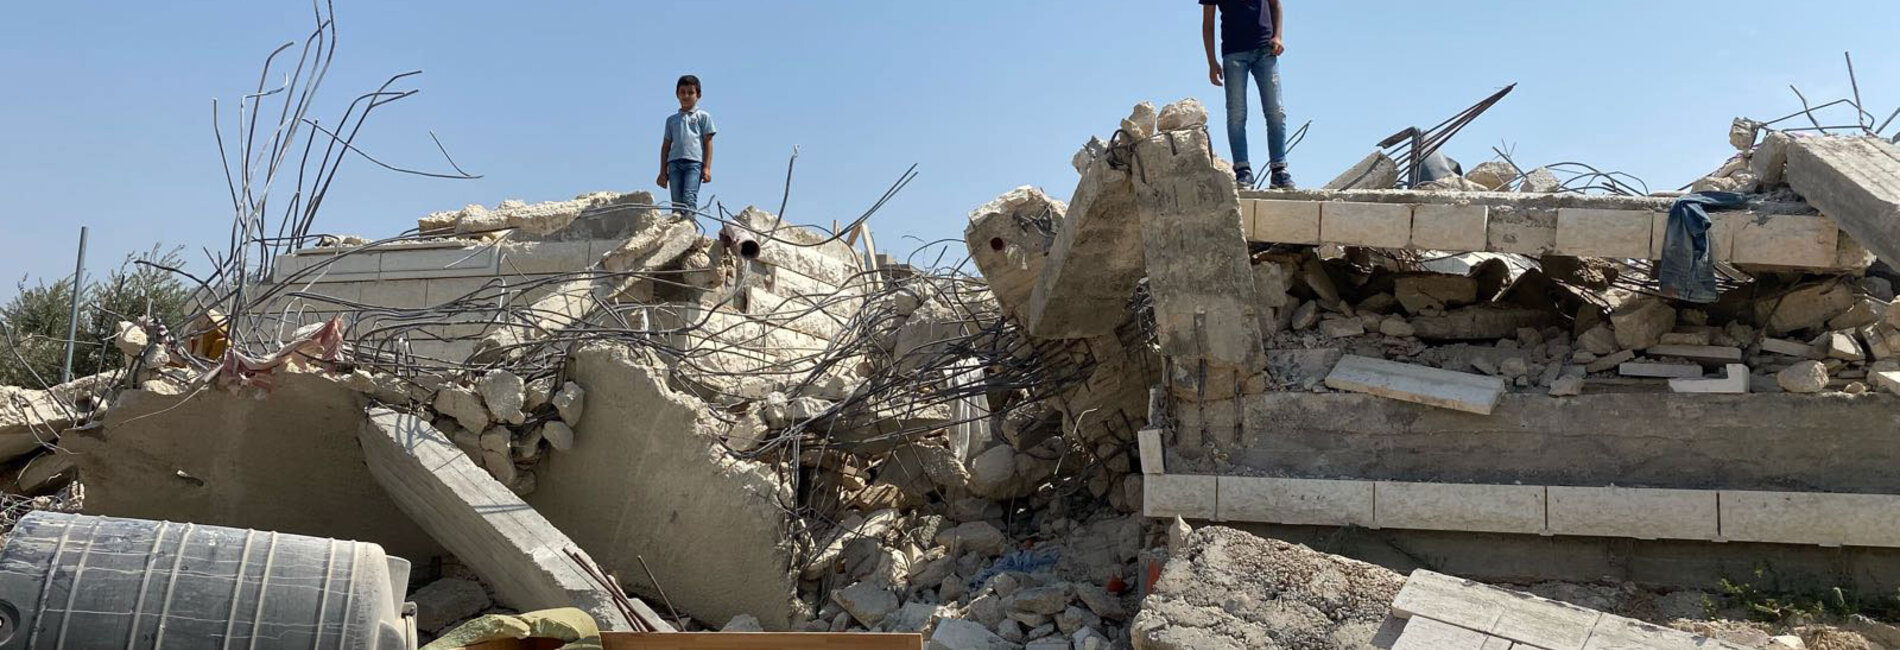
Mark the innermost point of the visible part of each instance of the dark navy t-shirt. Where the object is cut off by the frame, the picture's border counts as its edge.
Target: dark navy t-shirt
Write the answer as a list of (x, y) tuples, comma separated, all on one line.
[(1245, 25)]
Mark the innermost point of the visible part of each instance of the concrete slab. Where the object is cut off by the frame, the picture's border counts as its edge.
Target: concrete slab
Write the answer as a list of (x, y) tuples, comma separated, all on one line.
[(1450, 227), (1642, 513), (1179, 495), (1809, 241), (1378, 225), (1427, 634), (1734, 381), (1811, 518), (1520, 617), (1458, 391), (1463, 507), (1305, 502), (1285, 222), (516, 552), (1855, 180), (1584, 232)]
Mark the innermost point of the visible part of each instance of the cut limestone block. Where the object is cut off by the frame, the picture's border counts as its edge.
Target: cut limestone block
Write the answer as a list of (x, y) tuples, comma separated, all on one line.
[(1665, 370), (1178, 495), (1604, 233), (1304, 502), (1149, 439), (1734, 381), (1406, 382), (1618, 633), (1722, 229), (1450, 227), (1786, 240), (1285, 222), (1854, 180), (1522, 618), (1426, 634), (1521, 232), (1641, 513), (1811, 518), (1461, 507), (1701, 353), (1378, 225)]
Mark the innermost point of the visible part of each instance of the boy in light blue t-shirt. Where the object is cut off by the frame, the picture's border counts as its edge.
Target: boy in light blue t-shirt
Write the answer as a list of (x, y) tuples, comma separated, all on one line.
[(687, 152)]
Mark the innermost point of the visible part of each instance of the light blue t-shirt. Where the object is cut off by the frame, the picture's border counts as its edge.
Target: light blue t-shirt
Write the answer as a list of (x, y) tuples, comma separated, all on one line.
[(686, 130)]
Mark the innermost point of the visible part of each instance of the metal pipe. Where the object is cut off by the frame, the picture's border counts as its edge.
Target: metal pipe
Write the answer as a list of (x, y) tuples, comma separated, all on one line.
[(72, 317)]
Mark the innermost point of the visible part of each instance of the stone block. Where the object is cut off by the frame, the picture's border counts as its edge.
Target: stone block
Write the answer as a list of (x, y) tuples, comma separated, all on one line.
[(1285, 222), (1583, 232), (1641, 513), (1522, 618), (1179, 495), (1149, 440), (540, 258), (1811, 518), (1734, 381), (1722, 228), (401, 294), (1378, 225), (1886, 380), (1304, 502), (1698, 353), (1460, 507), (1523, 232), (1426, 634), (1665, 370), (1807, 241), (1375, 172), (443, 290), (1450, 227), (1458, 391), (1640, 323), (352, 266)]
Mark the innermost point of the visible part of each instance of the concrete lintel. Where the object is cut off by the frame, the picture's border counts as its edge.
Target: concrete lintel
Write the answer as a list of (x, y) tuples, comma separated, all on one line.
[(1461, 507), (1306, 502), (1179, 495), (1641, 513), (1586, 232), (515, 550), (1458, 391)]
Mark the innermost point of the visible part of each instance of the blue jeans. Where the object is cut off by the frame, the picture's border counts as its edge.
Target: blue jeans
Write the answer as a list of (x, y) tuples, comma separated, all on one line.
[(1265, 69), (682, 178)]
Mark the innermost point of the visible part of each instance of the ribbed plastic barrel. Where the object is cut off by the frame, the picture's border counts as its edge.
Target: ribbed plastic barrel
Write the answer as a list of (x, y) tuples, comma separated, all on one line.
[(83, 582)]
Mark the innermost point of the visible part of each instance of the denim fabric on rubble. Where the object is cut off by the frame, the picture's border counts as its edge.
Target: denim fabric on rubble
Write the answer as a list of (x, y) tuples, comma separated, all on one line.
[(1687, 268)]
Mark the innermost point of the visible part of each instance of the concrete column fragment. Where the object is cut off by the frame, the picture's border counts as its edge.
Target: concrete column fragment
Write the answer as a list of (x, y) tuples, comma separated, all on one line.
[(516, 551), (1095, 260), (1009, 241), (1854, 180), (1198, 271)]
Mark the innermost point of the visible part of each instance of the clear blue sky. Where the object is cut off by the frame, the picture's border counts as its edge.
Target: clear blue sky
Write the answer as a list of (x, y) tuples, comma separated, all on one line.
[(106, 105)]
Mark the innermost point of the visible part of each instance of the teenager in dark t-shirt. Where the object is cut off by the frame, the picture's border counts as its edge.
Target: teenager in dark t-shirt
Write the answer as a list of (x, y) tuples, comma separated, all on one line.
[(1250, 44)]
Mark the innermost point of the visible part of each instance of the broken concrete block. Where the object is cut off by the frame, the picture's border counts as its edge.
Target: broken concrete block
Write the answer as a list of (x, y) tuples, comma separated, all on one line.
[(1009, 240), (1494, 175), (867, 601), (1182, 115), (1566, 387), (1640, 323), (1140, 122), (504, 393), (958, 634), (1285, 222), (1805, 307), (1803, 377), (570, 402), (1335, 328), (1611, 361), (559, 435), (1666, 370), (1377, 225), (447, 601), (1734, 381), (1441, 227), (1865, 311), (1397, 327), (1700, 353), (973, 536), (1854, 180), (1375, 172), (1790, 348), (1419, 292), (1839, 345), (1886, 380), (1604, 233), (1540, 181), (1599, 340), (1419, 384), (463, 405)]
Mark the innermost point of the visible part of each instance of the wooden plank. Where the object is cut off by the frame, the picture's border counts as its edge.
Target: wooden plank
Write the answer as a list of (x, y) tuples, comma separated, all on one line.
[(1427, 634), (758, 641), (1459, 391)]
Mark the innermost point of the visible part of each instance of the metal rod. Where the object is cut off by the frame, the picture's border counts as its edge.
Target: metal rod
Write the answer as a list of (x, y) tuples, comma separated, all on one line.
[(72, 316)]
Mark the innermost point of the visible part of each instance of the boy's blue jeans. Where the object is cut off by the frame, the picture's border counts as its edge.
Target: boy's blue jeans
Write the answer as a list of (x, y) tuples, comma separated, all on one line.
[(1265, 69), (682, 178)]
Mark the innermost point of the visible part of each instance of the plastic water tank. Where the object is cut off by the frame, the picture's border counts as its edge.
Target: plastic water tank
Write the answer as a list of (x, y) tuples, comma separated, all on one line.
[(77, 581)]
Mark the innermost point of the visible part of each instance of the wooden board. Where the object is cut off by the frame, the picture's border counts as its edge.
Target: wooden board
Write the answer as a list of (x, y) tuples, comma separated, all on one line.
[(758, 641)]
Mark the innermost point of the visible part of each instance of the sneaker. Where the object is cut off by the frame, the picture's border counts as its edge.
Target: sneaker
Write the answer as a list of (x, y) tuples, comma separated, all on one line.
[(1281, 179), (1243, 178)]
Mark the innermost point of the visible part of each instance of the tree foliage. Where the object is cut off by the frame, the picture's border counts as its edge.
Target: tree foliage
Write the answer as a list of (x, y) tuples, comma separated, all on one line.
[(33, 324)]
